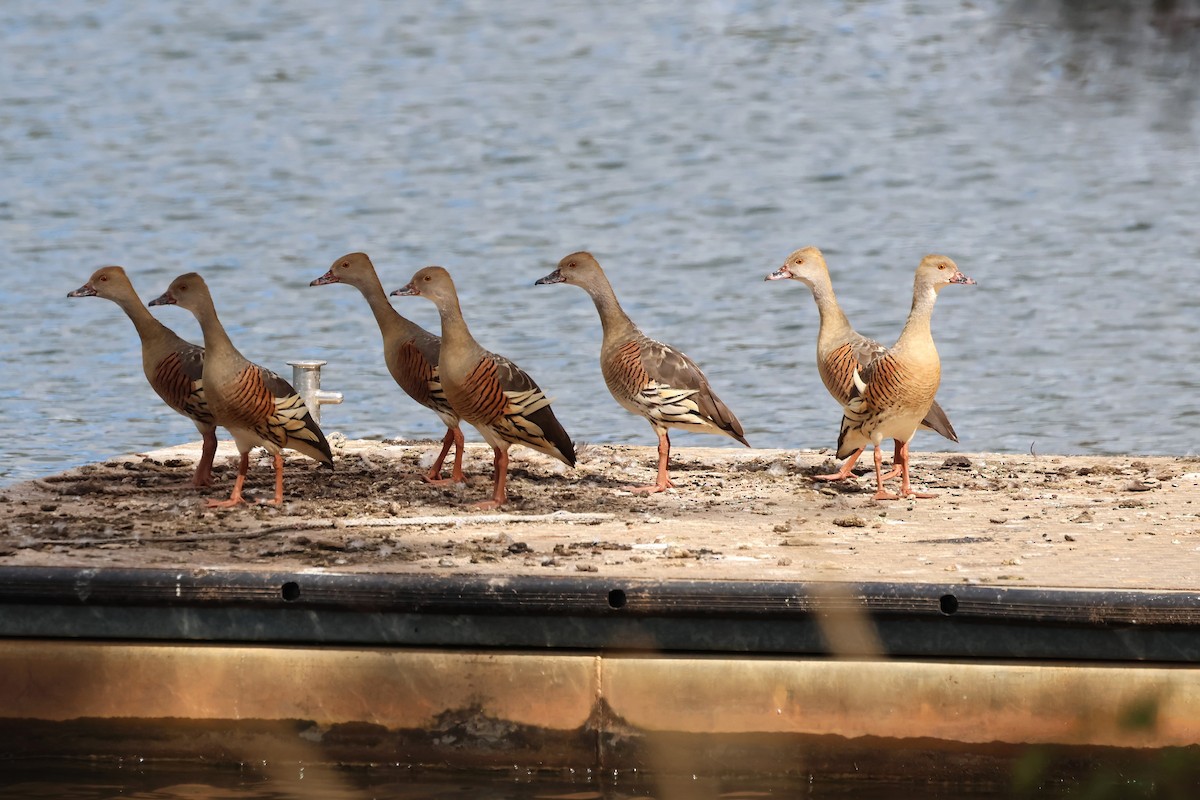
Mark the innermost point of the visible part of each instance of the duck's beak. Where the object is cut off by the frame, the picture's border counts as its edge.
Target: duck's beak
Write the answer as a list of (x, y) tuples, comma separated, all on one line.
[(164, 299), (87, 290), (406, 291), (553, 277), (328, 277), (779, 274), (958, 277)]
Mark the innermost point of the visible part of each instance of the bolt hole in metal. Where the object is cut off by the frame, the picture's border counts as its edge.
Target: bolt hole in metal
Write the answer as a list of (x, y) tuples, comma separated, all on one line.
[(948, 603), (290, 591), (616, 598)]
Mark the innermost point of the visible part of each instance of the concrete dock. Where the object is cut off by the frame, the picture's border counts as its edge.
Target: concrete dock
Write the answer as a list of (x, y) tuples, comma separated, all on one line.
[(750, 619)]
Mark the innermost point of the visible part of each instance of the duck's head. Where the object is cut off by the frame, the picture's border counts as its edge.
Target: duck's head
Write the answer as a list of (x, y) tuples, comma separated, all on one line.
[(940, 271), (352, 268), (805, 265), (187, 291), (434, 283), (579, 269), (108, 282)]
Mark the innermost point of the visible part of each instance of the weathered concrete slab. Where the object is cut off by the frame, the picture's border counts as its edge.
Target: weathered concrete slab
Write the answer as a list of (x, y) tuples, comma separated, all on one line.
[(1002, 519), (748, 518)]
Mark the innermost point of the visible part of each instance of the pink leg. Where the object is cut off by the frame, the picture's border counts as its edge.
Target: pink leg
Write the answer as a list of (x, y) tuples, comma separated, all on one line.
[(895, 470), (278, 481), (236, 497), (664, 481), (905, 489), (499, 494), (880, 492), (208, 450), (454, 436), (845, 471), (456, 472)]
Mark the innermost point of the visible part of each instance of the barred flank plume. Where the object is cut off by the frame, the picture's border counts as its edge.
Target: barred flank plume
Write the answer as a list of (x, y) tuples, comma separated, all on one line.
[(275, 411), (499, 395), (484, 400), (667, 388), (839, 368), (413, 372), (878, 390), (859, 354)]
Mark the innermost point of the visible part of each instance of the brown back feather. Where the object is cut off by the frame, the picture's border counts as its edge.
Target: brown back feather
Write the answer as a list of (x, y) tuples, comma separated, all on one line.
[(937, 421)]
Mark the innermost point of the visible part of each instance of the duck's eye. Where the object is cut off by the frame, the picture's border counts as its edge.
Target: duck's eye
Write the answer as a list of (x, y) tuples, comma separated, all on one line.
[(427, 279), (103, 278), (345, 265)]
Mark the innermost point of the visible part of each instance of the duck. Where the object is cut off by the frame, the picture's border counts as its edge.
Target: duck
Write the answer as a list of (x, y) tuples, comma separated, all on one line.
[(255, 405), (173, 366), (841, 349), (894, 392), (646, 377), (487, 390), (411, 354)]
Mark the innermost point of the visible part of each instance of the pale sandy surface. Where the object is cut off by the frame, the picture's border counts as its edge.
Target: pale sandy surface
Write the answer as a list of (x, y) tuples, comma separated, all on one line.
[(739, 514)]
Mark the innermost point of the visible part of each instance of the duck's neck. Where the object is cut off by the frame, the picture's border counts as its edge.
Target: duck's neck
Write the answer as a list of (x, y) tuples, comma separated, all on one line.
[(456, 337), (616, 324), (147, 325), (391, 322), (916, 328), (216, 340), (835, 327)]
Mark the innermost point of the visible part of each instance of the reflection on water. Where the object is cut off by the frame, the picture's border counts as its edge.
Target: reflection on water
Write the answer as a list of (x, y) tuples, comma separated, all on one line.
[(1108, 50), (187, 781), (1051, 148), (1167, 776)]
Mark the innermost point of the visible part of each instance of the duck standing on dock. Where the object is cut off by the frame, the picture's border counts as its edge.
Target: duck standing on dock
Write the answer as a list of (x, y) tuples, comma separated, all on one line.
[(257, 406), (841, 350), (647, 378), (487, 390), (410, 352), (895, 391), (173, 366)]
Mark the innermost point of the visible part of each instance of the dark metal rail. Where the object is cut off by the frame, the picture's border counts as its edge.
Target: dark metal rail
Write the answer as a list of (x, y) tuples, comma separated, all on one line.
[(593, 613)]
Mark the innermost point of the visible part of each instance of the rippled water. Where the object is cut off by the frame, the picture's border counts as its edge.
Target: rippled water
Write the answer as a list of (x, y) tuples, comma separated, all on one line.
[(1050, 148)]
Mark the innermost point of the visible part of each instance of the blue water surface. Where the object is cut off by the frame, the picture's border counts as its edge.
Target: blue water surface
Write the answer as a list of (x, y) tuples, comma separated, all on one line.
[(1051, 148)]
